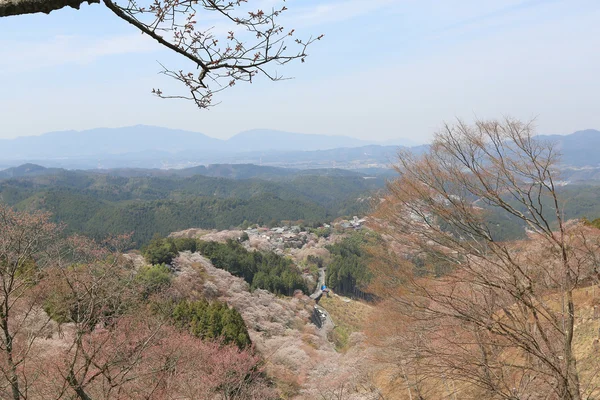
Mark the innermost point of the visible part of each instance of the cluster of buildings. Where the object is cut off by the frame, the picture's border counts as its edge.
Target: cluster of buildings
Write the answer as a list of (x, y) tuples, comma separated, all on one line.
[(296, 236), (286, 236), (354, 223)]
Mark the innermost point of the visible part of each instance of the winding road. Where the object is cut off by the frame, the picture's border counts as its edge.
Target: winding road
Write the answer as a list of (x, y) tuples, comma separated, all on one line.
[(323, 314), (320, 283)]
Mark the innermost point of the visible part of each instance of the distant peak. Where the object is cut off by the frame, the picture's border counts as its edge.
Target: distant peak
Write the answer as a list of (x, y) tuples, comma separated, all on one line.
[(587, 132), (30, 167)]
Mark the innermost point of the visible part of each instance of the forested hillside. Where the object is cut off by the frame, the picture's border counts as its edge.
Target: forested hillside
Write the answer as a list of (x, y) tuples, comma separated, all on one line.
[(575, 201), (97, 204), (348, 272)]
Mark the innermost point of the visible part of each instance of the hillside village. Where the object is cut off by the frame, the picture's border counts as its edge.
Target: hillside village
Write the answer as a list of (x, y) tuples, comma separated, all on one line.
[(296, 237), (291, 240), (302, 341)]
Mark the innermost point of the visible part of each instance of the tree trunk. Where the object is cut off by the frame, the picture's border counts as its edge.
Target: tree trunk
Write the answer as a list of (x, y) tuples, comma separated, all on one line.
[(12, 372), (14, 378), (81, 394), (572, 375), (19, 7)]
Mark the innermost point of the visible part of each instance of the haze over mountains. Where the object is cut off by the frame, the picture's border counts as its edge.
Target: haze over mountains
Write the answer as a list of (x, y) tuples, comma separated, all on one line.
[(579, 148), (143, 138), (144, 146)]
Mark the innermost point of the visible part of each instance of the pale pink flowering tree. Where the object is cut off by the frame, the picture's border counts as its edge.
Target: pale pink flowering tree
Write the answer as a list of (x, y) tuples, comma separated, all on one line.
[(23, 239)]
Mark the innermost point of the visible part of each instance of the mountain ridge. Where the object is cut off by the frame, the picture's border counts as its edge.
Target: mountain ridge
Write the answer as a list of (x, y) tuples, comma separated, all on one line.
[(143, 138), (144, 146), (578, 149), (228, 171)]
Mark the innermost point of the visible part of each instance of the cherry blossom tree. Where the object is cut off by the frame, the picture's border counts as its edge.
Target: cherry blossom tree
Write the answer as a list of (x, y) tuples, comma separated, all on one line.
[(74, 323), (24, 238)]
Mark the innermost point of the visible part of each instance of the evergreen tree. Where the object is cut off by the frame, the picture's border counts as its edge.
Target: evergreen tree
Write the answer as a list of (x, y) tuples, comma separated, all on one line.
[(212, 321)]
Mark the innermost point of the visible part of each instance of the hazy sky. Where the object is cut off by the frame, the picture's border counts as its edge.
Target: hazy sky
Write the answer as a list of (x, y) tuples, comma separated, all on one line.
[(386, 69)]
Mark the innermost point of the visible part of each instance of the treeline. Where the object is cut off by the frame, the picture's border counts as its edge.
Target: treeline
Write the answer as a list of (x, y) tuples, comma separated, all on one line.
[(348, 271), (262, 270), (98, 204)]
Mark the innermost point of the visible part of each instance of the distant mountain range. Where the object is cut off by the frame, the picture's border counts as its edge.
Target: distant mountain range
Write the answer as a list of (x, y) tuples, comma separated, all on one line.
[(28, 170), (154, 147), (579, 149), (162, 141)]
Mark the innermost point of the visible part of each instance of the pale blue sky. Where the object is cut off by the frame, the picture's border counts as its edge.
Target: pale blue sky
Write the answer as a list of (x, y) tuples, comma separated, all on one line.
[(386, 69)]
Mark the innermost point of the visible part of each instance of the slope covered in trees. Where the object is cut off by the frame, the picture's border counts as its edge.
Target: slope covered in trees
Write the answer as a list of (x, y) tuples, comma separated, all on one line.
[(212, 321), (348, 273), (99, 204), (262, 270), (113, 340), (267, 270)]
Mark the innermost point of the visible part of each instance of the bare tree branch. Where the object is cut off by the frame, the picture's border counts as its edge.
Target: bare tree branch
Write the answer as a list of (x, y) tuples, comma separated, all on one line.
[(20, 7), (238, 44), (500, 316)]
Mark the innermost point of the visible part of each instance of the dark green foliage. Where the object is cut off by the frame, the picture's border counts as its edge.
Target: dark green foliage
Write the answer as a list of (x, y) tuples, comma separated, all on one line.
[(160, 251), (267, 271), (431, 264), (575, 201), (90, 293), (348, 272), (184, 244), (322, 232), (595, 223), (314, 260), (164, 250), (504, 226), (60, 309), (98, 204), (212, 321), (580, 201), (153, 279)]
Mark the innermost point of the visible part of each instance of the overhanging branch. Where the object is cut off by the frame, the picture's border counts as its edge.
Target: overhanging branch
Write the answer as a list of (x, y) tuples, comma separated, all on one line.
[(19, 7), (145, 29), (255, 40)]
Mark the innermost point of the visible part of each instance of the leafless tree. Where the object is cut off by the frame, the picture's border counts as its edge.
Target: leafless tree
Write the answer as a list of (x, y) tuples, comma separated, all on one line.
[(23, 240), (252, 43), (499, 322)]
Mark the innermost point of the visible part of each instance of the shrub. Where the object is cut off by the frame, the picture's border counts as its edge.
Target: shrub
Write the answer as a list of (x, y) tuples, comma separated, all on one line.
[(164, 250), (160, 251), (153, 279), (184, 244)]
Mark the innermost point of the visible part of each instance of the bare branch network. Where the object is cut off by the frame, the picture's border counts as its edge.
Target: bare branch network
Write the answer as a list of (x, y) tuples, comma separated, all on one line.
[(469, 310), (253, 44)]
